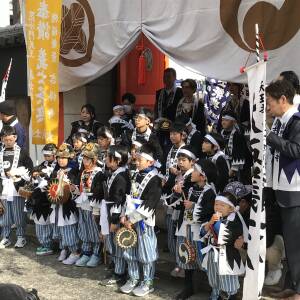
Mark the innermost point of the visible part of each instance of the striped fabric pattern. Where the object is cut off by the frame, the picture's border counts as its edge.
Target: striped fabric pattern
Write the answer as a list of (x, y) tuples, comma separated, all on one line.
[(14, 214), (88, 232), (227, 283), (44, 234)]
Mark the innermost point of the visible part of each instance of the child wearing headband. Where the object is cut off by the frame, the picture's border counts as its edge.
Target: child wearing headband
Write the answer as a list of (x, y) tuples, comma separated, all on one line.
[(212, 147), (222, 260), (139, 215), (118, 186), (185, 161)]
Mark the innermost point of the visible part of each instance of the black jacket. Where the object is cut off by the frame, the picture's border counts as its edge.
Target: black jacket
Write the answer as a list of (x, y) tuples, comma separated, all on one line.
[(168, 112)]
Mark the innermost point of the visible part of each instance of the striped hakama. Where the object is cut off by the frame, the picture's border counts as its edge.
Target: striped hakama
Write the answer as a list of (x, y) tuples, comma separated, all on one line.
[(88, 232), (44, 234), (68, 237), (171, 229), (14, 214), (227, 283), (144, 253), (116, 253)]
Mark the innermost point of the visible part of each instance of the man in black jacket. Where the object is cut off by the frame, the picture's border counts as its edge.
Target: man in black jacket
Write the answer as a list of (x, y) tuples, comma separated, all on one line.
[(283, 167), (168, 97)]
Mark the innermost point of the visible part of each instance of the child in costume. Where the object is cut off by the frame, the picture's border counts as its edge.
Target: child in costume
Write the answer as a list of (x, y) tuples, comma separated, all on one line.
[(104, 139), (49, 152), (39, 202), (222, 260), (15, 165), (64, 214), (91, 190), (236, 149), (118, 185), (143, 131), (198, 209), (212, 148), (185, 161), (119, 125), (170, 172), (140, 209), (79, 140)]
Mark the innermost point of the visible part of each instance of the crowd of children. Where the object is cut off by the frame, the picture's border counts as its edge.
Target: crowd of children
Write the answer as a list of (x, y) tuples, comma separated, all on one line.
[(103, 179)]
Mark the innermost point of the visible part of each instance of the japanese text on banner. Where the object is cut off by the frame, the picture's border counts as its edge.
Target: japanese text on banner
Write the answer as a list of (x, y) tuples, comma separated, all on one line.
[(43, 21)]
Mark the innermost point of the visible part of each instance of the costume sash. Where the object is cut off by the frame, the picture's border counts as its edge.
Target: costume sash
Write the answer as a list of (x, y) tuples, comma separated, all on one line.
[(9, 190)]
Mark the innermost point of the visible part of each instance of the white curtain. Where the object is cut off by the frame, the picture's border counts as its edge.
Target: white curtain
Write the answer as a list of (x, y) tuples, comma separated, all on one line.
[(209, 37), (117, 27)]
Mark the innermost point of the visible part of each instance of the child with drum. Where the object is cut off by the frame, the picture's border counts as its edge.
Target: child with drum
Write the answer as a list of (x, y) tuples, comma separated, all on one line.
[(185, 161), (91, 189), (62, 192), (139, 215), (199, 203), (118, 185)]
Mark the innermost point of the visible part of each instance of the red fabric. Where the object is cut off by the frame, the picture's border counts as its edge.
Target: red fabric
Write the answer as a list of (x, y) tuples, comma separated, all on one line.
[(142, 70)]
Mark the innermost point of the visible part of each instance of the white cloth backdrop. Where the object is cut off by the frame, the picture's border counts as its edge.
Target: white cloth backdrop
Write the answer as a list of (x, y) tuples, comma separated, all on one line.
[(191, 33), (117, 27)]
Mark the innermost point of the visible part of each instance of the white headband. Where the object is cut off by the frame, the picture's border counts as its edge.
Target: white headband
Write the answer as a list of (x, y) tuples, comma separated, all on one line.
[(117, 154), (225, 200), (143, 115), (199, 169), (108, 135), (46, 152), (82, 130), (146, 156), (187, 152), (118, 107), (212, 140), (138, 144), (227, 117)]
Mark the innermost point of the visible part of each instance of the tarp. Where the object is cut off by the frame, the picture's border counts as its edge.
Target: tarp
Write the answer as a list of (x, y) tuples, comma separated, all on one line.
[(213, 38)]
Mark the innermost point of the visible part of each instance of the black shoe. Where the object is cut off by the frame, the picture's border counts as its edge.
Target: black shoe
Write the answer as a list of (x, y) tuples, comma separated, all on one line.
[(225, 296), (185, 294)]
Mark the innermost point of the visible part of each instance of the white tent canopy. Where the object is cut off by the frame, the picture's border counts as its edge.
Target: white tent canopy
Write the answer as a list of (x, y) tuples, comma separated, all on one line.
[(210, 37)]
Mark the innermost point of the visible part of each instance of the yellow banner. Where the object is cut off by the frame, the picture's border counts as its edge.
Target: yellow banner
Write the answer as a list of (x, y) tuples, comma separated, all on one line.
[(42, 27)]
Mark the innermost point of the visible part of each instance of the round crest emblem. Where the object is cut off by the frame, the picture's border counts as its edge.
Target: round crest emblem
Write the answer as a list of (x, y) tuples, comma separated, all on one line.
[(77, 34)]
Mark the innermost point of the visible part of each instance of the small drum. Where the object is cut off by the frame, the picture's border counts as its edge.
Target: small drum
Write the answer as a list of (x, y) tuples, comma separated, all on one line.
[(126, 238), (25, 192), (187, 253), (56, 195)]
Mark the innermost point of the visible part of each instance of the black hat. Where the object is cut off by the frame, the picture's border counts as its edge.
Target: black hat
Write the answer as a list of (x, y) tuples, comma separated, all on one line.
[(163, 124), (8, 108), (177, 127)]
